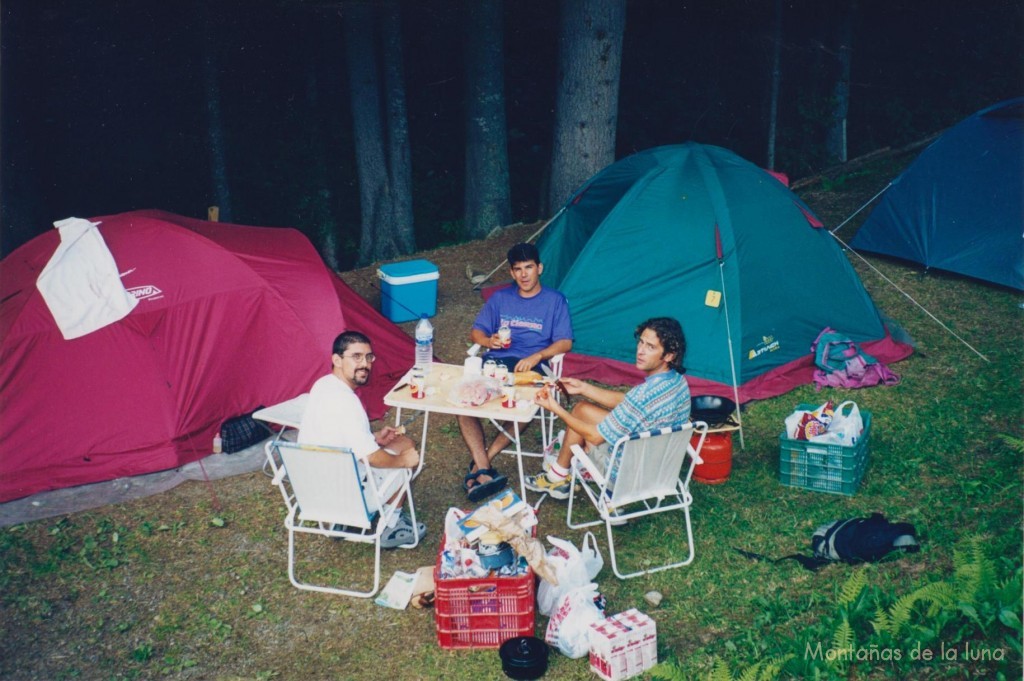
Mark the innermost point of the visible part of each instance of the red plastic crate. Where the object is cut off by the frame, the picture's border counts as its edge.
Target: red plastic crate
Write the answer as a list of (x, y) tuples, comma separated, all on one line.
[(483, 612)]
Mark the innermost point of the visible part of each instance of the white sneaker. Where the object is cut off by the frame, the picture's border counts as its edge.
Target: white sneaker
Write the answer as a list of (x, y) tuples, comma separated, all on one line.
[(552, 450), (556, 490)]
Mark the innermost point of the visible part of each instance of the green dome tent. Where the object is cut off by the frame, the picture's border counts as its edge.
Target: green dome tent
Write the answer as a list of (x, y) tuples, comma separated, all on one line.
[(697, 233)]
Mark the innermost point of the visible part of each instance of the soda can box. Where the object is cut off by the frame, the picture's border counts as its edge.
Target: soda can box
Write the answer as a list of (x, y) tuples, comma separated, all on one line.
[(408, 290), (623, 646)]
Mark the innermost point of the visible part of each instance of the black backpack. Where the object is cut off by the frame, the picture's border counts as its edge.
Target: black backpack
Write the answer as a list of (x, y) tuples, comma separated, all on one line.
[(853, 540), (243, 431)]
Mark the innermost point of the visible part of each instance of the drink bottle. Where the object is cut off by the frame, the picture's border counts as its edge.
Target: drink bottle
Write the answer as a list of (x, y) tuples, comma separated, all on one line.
[(424, 344)]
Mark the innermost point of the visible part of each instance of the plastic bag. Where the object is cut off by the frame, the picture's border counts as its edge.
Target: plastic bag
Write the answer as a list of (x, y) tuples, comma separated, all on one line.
[(570, 570), (591, 556), (452, 530), (472, 392), (844, 429), (569, 626), (803, 425)]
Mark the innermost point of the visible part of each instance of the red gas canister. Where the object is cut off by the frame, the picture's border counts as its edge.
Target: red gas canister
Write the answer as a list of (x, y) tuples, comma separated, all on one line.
[(717, 456)]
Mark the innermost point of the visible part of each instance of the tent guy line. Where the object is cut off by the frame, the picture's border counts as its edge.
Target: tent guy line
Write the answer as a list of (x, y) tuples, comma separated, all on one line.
[(889, 281), (910, 298), (856, 212)]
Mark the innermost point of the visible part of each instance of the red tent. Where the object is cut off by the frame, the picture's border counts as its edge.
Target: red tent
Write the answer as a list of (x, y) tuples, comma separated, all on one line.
[(229, 318)]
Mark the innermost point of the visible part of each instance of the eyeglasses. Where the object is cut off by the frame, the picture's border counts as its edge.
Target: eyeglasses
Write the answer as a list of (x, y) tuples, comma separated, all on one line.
[(359, 357)]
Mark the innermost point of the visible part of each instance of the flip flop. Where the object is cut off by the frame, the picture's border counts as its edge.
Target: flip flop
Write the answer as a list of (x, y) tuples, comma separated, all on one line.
[(482, 490)]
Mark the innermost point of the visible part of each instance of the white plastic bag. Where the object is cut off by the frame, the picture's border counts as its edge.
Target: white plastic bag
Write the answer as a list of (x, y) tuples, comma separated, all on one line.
[(569, 626), (793, 423), (570, 570), (591, 556), (846, 429), (452, 531)]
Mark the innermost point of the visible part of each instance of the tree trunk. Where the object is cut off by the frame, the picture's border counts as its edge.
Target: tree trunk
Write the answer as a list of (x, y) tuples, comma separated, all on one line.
[(214, 119), (835, 143), (487, 202), (586, 107), (316, 204), (382, 156), (402, 239), (773, 107)]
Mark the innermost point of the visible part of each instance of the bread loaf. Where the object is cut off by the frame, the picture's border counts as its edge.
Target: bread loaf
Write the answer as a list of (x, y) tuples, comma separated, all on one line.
[(527, 377)]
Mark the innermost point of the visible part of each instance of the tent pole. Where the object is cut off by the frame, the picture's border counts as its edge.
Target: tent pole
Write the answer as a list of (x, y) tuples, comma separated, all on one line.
[(732, 358), (528, 239)]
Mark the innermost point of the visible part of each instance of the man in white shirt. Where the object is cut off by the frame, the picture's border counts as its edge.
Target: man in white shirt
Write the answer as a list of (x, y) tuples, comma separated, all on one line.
[(335, 417)]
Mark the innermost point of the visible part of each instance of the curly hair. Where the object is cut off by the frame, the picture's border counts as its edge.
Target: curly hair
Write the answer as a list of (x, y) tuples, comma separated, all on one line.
[(670, 333)]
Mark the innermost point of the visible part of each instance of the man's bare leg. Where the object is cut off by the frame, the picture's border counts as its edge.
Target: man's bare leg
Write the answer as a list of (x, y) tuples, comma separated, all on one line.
[(472, 430), (584, 411)]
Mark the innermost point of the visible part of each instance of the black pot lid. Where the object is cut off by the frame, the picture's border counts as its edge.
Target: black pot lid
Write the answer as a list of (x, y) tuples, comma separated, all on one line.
[(713, 403), (523, 651)]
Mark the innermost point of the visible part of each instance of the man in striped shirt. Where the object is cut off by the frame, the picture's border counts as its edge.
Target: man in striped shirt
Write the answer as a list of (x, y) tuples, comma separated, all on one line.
[(663, 399)]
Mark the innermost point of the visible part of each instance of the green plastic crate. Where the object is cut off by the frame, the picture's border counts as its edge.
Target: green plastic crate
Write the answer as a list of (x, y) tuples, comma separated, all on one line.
[(820, 467)]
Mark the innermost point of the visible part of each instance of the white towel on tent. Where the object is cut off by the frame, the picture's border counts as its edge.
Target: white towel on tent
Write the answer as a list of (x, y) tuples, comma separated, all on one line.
[(80, 283)]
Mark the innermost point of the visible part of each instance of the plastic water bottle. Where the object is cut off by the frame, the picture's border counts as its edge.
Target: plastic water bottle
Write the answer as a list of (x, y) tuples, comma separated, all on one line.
[(218, 443), (424, 344)]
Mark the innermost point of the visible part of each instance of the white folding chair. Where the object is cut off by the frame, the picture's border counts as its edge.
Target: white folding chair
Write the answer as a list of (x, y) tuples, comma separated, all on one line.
[(547, 418), (286, 415), (327, 494), (654, 471)]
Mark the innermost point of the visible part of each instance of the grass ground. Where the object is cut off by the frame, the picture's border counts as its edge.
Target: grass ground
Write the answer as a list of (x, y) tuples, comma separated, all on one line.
[(191, 584)]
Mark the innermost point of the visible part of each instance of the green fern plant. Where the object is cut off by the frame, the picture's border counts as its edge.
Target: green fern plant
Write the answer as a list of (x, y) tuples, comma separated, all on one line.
[(973, 571), (974, 604), (1016, 443), (936, 595), (762, 670), (844, 643), (852, 587)]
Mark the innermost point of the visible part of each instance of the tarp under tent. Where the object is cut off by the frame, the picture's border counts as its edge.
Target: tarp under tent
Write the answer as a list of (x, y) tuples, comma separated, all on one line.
[(697, 233), (959, 206), (228, 318)]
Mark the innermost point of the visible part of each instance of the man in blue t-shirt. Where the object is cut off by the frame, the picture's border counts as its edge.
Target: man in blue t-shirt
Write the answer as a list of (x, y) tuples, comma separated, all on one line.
[(538, 318), (662, 400)]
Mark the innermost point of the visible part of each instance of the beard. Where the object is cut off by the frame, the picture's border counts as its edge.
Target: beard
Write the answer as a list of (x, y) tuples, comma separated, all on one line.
[(361, 376)]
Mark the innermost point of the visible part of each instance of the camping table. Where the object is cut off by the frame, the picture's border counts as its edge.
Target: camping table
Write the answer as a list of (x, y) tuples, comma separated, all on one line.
[(287, 414), (440, 381)]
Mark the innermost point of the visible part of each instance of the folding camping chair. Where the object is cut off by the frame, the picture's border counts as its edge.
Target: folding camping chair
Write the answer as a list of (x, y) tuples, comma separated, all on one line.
[(326, 494), (286, 415), (654, 471), (547, 418)]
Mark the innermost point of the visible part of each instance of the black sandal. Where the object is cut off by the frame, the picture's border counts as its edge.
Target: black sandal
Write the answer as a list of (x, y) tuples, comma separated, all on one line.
[(482, 490)]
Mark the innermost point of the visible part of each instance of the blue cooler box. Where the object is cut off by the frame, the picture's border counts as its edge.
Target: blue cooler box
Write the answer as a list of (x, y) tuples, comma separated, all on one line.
[(408, 290)]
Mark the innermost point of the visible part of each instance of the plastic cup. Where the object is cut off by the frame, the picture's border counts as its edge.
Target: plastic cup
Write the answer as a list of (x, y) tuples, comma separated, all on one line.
[(418, 385), (508, 396), (472, 366), (505, 334)]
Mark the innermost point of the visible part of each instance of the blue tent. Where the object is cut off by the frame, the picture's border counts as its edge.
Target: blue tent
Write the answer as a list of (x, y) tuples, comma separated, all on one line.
[(960, 205)]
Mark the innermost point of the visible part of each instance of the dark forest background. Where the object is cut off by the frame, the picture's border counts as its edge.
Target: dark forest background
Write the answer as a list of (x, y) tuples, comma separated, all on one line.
[(103, 106)]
